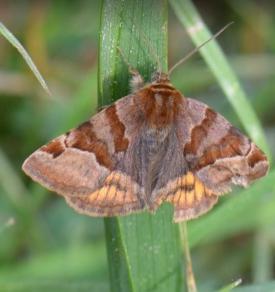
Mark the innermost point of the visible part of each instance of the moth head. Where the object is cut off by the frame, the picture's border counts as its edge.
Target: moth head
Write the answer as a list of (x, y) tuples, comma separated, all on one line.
[(160, 77)]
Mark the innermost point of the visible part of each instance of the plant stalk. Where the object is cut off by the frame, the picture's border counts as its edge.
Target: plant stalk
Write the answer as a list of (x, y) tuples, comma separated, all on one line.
[(190, 278)]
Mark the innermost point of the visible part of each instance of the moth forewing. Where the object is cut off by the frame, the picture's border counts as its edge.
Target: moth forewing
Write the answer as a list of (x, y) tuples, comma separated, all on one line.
[(150, 147)]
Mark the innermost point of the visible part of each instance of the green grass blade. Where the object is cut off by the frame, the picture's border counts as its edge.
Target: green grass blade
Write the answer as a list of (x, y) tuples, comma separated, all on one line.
[(262, 256), (143, 249), (7, 225), (10, 181), (50, 265), (54, 286), (214, 57), (13, 40), (231, 286), (214, 226), (266, 287)]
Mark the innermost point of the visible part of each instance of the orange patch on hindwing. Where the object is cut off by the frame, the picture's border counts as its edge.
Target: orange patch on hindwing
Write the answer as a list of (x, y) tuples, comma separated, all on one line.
[(187, 191), (114, 191)]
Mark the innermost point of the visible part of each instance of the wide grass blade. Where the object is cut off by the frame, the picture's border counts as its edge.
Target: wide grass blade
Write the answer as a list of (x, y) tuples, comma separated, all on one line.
[(143, 249)]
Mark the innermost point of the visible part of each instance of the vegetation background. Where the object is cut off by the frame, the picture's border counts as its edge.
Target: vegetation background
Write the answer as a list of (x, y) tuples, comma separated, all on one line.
[(44, 244)]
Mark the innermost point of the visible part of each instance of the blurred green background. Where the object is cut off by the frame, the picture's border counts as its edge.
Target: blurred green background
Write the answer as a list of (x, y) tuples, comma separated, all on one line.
[(42, 240)]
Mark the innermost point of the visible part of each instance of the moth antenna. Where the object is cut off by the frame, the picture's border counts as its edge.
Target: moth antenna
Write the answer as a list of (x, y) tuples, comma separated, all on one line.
[(152, 51), (195, 50), (131, 69), (137, 80)]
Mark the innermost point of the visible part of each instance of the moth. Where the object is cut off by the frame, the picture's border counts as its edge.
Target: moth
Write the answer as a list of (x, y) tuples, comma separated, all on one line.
[(149, 147)]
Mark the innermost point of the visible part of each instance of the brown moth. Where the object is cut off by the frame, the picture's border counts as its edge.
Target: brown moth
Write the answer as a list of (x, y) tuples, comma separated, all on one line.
[(149, 147)]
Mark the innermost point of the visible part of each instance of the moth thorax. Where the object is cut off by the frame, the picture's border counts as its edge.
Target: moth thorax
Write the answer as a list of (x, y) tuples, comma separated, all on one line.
[(154, 138), (162, 114)]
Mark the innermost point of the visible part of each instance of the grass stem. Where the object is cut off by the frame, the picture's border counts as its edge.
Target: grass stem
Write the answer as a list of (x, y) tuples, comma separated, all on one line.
[(190, 278)]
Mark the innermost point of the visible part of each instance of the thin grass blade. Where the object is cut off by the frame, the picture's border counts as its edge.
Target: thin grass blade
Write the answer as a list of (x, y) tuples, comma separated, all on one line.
[(214, 57), (14, 41)]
